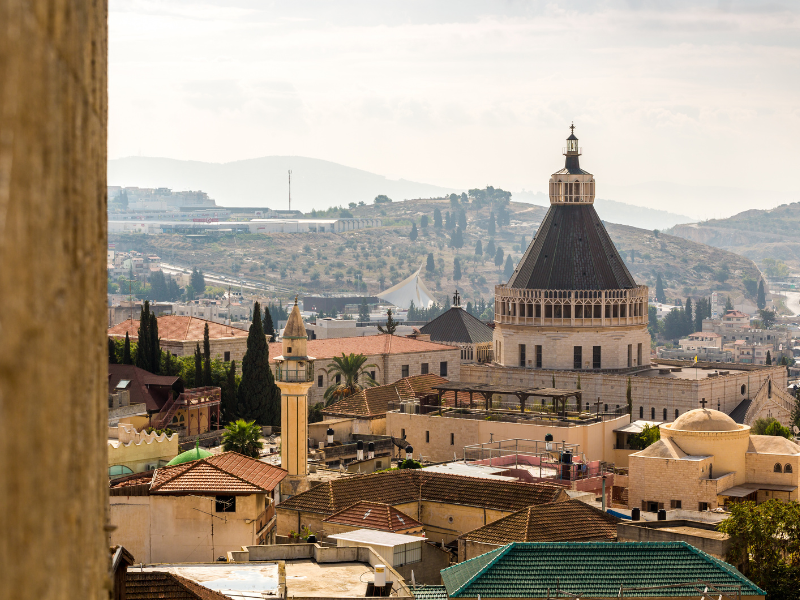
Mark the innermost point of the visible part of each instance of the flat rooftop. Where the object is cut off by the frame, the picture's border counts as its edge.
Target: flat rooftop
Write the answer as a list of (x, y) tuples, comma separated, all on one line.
[(238, 581), (674, 369), (341, 580)]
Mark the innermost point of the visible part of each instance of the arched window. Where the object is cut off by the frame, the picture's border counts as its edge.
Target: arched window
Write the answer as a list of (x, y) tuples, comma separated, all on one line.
[(665, 414), (777, 468), (676, 413), (787, 468), (641, 412), (118, 471), (652, 413), (744, 389)]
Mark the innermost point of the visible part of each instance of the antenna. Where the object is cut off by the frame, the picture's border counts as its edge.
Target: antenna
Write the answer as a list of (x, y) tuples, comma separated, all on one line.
[(290, 189)]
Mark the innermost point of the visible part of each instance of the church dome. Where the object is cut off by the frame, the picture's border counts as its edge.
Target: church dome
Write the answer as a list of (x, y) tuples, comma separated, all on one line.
[(195, 453), (704, 419)]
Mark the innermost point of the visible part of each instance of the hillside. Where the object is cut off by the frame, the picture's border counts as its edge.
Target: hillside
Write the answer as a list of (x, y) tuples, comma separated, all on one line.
[(756, 234), (382, 256)]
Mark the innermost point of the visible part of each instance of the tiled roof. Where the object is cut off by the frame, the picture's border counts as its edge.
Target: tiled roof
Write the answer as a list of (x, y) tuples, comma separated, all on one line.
[(572, 251), (294, 326), (152, 585), (591, 569), (430, 592), (373, 515), (178, 328), (374, 401), (410, 485), (144, 387), (458, 326), (370, 345), (560, 522), (228, 472)]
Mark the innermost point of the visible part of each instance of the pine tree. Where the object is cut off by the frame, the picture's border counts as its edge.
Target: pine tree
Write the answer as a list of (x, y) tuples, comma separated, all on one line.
[(687, 312), (126, 351), (112, 352), (437, 218), (391, 324), (197, 281), (508, 270), (768, 360), (269, 326), (761, 300), (478, 248), (660, 296), (462, 219), (228, 407), (456, 269), (413, 235), (492, 226), (258, 398), (198, 367), (430, 267), (206, 358)]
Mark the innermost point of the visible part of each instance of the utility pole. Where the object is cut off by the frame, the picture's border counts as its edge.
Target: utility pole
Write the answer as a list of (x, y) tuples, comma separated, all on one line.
[(290, 189)]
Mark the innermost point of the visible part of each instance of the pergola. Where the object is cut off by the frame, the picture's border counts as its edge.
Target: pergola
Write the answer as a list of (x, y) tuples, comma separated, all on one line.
[(559, 396)]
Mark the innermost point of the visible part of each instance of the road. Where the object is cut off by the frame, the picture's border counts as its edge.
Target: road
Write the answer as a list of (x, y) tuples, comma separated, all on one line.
[(224, 281), (793, 302)]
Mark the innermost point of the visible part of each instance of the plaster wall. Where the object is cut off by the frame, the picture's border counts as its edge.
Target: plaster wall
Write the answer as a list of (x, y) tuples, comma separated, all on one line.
[(663, 480), (727, 448), (342, 430), (140, 449), (53, 118), (760, 468)]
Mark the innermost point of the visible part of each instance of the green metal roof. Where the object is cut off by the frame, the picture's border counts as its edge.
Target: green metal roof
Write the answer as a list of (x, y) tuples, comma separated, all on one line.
[(430, 592), (592, 569), (195, 453)]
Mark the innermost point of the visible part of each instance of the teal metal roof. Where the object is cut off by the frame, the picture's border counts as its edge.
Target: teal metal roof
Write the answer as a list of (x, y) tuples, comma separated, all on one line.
[(591, 569), (430, 592)]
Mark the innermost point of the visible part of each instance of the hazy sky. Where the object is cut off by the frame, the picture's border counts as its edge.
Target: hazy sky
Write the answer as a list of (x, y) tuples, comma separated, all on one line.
[(467, 93)]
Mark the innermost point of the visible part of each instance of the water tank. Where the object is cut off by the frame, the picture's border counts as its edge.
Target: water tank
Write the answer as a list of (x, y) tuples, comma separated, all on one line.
[(380, 576), (312, 539), (566, 458), (662, 515), (360, 445), (409, 452), (636, 514)]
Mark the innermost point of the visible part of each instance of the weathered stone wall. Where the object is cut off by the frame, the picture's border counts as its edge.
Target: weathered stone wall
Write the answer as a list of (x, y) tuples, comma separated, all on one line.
[(53, 355)]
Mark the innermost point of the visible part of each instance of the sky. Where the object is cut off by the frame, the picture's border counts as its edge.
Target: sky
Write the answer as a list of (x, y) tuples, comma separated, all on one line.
[(688, 106)]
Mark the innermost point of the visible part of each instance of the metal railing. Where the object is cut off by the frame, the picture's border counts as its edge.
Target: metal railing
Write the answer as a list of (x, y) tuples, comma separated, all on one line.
[(296, 375)]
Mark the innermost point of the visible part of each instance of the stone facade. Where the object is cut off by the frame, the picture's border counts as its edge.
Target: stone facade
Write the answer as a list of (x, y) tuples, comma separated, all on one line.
[(53, 461)]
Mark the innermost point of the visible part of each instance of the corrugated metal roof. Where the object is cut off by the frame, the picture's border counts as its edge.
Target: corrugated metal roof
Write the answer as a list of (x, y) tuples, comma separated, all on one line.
[(379, 538)]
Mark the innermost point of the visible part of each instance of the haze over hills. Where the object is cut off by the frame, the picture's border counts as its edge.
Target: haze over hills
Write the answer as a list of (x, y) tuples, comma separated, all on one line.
[(756, 234), (320, 184)]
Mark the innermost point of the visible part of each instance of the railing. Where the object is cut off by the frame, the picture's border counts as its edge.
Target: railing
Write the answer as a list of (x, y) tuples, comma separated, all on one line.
[(296, 375), (192, 398)]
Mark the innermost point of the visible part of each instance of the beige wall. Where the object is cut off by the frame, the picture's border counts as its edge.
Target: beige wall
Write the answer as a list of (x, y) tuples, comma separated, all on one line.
[(53, 355), (342, 429), (596, 440), (662, 480), (760, 469), (136, 450), (168, 529)]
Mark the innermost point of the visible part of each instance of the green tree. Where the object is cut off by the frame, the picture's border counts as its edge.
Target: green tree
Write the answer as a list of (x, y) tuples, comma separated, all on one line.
[(243, 437), (363, 311), (653, 324), (479, 249), (660, 295), (761, 300), (423, 221), (148, 351), (198, 367), (648, 435), (462, 219), (751, 286), (197, 280), (259, 399), (767, 317), (492, 226), (315, 412), (498, 257), (430, 267), (437, 218), (508, 270), (723, 273), (490, 249), (629, 397), (112, 352), (206, 358), (269, 327), (391, 324), (382, 199), (769, 426), (126, 352), (768, 360), (353, 377), (456, 269), (728, 304), (228, 407), (414, 234), (457, 239), (688, 314)]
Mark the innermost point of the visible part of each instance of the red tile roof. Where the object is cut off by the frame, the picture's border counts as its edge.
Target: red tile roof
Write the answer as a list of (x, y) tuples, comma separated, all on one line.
[(374, 401), (373, 515), (411, 485), (177, 328), (370, 345), (570, 521), (144, 387), (228, 472), (151, 585)]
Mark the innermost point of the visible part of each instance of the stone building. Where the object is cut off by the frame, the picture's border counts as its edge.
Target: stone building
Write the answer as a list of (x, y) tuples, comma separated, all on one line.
[(705, 459), (456, 327), (571, 302)]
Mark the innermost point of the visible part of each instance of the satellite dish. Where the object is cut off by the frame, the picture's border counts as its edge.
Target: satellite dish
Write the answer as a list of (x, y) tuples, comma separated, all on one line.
[(795, 429)]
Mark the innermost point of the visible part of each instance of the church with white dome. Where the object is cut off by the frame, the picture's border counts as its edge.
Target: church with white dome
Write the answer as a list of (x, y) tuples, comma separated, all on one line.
[(706, 460)]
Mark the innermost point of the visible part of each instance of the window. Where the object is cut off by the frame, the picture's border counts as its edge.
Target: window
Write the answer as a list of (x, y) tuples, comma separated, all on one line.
[(289, 350), (339, 378), (453, 442), (120, 470), (743, 389), (596, 358), (652, 413), (704, 506), (404, 371), (777, 468), (665, 414), (641, 412), (676, 413), (522, 355), (443, 368), (787, 468), (577, 357), (630, 355), (538, 350), (123, 384), (319, 380), (673, 504), (372, 374), (226, 504), (407, 553), (427, 437), (227, 357)]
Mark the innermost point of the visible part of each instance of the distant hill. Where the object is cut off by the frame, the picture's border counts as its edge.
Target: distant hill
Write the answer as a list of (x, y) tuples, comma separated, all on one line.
[(757, 234), (263, 182)]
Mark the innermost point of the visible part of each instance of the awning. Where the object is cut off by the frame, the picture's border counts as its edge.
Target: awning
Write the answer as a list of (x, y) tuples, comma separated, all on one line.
[(636, 426), (740, 491)]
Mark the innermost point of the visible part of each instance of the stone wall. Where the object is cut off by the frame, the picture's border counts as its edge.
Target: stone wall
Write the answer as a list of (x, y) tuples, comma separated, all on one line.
[(53, 355)]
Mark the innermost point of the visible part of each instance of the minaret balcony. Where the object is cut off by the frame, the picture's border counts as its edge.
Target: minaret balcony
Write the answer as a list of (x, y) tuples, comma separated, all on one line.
[(294, 371)]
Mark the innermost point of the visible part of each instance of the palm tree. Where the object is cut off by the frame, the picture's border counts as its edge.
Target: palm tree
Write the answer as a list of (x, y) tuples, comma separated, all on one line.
[(350, 369), (243, 437)]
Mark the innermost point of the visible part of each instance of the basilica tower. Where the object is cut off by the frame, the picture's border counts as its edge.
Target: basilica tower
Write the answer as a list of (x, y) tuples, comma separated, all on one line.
[(571, 302), (294, 375)]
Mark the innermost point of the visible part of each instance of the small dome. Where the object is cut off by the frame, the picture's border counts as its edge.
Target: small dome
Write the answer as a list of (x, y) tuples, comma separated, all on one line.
[(195, 453), (704, 419)]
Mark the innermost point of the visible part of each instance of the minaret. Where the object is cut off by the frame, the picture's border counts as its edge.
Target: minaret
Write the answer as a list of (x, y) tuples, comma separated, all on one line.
[(294, 374)]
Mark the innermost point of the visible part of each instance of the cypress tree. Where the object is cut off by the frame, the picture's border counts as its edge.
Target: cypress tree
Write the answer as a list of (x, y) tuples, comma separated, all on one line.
[(155, 345), (413, 235), (456, 269), (143, 346), (769, 359), (492, 227), (112, 352), (490, 249), (228, 408), (429, 266), (687, 313), (508, 270), (206, 358), (437, 218), (198, 367), (761, 299), (462, 219), (269, 326), (498, 257), (660, 296), (126, 351), (258, 398), (478, 248)]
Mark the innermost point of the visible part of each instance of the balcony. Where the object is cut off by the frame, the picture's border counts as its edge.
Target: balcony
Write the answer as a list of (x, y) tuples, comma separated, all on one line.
[(301, 372)]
